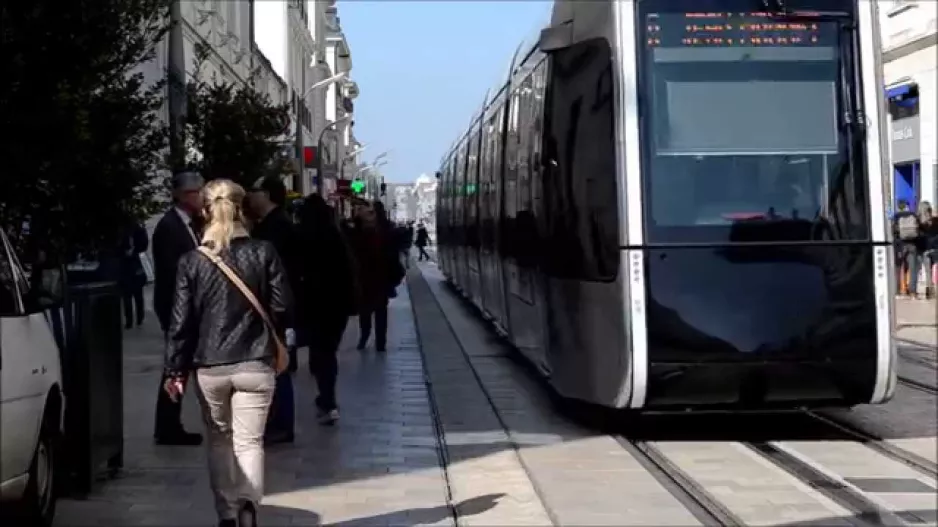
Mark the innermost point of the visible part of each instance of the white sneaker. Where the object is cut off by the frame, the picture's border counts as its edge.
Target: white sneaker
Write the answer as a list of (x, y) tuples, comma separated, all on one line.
[(327, 418)]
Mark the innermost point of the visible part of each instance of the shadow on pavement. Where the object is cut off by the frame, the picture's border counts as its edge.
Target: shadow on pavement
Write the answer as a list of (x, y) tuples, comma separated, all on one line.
[(428, 515)]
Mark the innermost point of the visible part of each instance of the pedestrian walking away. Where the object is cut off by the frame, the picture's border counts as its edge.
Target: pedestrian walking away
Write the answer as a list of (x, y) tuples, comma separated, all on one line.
[(267, 207), (423, 239), (910, 247), (176, 234), (230, 311), (379, 272), (330, 293)]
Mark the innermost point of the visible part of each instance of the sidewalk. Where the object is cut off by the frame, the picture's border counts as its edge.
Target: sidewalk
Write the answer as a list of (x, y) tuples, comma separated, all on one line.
[(379, 466), (917, 321)]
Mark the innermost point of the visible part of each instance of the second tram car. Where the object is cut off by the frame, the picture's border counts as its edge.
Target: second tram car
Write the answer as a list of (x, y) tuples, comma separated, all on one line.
[(676, 204)]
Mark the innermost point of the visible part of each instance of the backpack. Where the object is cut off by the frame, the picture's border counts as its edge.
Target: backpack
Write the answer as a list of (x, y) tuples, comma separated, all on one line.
[(908, 227)]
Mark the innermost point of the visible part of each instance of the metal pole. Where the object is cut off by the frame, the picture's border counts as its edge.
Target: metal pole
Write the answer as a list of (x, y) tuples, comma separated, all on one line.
[(322, 180), (176, 74), (301, 107)]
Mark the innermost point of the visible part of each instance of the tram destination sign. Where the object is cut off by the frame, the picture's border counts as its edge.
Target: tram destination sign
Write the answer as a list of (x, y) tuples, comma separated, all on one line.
[(721, 30)]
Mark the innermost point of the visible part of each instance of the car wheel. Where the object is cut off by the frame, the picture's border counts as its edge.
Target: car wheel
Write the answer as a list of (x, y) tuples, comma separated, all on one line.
[(39, 500)]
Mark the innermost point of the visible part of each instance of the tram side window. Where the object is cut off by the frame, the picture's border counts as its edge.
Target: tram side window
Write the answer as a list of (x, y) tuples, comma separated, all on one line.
[(580, 179), (471, 191)]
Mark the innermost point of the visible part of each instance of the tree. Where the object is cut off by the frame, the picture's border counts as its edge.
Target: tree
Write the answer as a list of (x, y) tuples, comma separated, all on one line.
[(233, 130), (83, 140)]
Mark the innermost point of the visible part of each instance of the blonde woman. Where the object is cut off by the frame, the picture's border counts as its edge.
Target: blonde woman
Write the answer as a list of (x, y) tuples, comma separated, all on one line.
[(230, 309)]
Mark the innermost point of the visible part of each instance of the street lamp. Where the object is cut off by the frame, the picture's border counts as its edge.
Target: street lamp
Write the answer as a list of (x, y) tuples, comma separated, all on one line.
[(299, 127), (355, 152), (322, 134), (325, 82)]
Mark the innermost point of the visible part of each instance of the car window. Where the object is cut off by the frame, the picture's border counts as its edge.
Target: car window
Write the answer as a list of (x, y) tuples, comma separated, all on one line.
[(9, 300)]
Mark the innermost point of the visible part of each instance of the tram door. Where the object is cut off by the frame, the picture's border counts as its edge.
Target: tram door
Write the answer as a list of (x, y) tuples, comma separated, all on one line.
[(490, 212), (460, 239), (526, 306), (474, 283)]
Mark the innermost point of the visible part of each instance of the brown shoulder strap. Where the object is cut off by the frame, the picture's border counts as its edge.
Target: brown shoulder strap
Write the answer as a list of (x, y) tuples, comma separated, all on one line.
[(245, 290)]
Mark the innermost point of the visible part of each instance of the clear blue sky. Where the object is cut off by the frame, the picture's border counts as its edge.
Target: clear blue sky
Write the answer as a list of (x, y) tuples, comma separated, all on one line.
[(423, 67)]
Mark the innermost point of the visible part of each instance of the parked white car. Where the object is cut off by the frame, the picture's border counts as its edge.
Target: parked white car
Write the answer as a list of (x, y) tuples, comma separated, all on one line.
[(32, 403)]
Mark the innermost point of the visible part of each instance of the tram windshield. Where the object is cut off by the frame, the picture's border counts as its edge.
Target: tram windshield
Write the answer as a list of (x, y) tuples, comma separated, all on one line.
[(744, 122)]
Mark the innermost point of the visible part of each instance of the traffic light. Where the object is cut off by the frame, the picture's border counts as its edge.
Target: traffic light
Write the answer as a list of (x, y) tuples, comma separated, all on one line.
[(358, 186)]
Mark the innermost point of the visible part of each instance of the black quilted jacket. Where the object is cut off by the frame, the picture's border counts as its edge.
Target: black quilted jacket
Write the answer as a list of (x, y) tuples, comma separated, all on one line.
[(212, 323)]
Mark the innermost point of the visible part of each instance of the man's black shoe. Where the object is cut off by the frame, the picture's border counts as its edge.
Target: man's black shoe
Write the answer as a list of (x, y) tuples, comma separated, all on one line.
[(179, 439)]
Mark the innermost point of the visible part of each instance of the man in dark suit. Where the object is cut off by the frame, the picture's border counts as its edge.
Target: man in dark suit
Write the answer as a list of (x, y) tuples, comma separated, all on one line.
[(176, 234), (267, 204)]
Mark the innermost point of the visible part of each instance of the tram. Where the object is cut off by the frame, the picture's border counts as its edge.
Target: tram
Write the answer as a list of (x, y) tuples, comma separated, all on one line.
[(680, 204)]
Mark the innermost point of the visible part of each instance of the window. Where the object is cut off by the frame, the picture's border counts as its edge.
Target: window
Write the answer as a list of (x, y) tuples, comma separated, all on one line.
[(749, 134), (581, 206), (905, 103)]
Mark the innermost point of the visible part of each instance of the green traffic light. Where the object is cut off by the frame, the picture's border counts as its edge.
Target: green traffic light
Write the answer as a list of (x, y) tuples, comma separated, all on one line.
[(358, 186)]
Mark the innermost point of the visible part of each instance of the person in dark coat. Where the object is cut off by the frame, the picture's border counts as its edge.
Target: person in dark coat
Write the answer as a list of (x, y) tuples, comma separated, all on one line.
[(379, 271), (423, 239), (177, 233), (331, 297), (133, 278), (267, 203)]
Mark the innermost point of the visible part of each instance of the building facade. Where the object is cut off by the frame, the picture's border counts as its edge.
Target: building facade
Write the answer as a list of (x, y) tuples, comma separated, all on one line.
[(402, 204), (425, 197), (305, 46), (223, 29), (337, 132), (910, 56)]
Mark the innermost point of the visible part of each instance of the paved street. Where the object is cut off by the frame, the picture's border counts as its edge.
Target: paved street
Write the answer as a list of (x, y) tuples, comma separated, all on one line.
[(380, 466), (448, 428)]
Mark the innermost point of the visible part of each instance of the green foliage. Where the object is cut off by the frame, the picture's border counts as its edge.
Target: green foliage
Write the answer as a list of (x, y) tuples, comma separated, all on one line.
[(234, 131), (82, 140)]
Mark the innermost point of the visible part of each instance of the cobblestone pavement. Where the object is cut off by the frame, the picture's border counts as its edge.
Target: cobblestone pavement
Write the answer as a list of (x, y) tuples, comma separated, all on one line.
[(917, 322), (378, 466)]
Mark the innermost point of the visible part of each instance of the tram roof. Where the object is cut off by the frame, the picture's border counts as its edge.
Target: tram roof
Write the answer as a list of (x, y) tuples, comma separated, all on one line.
[(524, 49)]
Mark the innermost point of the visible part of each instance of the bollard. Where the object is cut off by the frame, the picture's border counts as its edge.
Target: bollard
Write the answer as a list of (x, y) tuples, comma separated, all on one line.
[(92, 371)]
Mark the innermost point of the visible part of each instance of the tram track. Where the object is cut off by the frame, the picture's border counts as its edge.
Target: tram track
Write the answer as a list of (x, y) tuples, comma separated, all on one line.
[(913, 358), (693, 496), (710, 511), (918, 463), (867, 511), (918, 385), (680, 465)]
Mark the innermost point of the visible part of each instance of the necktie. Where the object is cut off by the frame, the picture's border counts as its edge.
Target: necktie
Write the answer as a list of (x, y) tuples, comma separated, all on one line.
[(191, 228)]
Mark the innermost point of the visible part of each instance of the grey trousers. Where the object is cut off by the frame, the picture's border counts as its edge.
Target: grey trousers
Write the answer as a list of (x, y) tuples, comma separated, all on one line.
[(235, 400)]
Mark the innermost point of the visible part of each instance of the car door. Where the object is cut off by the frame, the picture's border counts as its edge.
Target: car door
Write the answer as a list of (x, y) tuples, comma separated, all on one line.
[(22, 388)]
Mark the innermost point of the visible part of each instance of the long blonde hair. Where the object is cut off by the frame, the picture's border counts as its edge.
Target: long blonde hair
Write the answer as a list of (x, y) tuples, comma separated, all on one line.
[(223, 200)]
